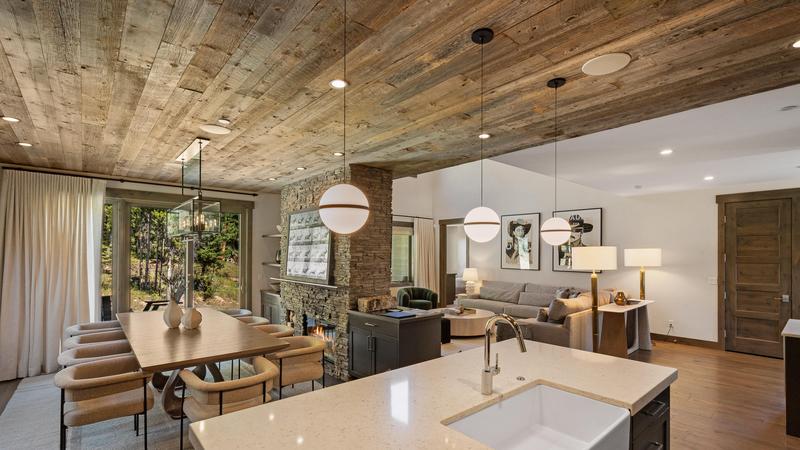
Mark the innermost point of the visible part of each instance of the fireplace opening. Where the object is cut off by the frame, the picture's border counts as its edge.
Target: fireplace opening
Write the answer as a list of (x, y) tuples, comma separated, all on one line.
[(322, 329)]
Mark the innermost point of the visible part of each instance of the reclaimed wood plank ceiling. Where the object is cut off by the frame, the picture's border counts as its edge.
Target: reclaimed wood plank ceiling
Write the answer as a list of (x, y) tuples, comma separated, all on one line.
[(119, 87)]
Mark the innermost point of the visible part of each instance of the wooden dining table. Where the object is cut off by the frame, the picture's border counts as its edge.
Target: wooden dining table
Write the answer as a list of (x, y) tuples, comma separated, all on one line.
[(219, 337)]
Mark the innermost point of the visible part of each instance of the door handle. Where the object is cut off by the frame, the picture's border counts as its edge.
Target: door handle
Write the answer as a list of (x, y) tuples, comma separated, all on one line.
[(783, 298), (368, 324)]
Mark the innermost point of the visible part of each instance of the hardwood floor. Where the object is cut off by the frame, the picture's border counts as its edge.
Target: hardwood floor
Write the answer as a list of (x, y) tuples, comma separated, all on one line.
[(724, 400)]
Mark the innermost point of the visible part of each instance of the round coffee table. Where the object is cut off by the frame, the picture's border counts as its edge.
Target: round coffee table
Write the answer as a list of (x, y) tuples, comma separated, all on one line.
[(464, 325)]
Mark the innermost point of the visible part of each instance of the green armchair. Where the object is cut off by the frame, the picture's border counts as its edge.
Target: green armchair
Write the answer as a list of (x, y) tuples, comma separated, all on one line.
[(417, 297)]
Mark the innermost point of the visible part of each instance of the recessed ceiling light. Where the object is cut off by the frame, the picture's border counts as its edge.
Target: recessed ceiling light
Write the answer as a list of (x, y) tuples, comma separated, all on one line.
[(665, 152), (214, 129), (484, 136), (339, 84), (708, 178), (10, 119), (272, 178), (796, 44), (301, 168), (338, 154), (24, 144), (223, 121), (606, 64)]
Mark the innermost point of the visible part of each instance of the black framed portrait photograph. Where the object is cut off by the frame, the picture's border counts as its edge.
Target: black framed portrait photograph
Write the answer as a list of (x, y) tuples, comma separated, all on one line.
[(587, 231), (520, 241)]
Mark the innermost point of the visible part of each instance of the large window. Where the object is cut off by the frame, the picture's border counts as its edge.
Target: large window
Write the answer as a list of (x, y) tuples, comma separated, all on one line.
[(142, 264), (157, 260), (402, 236)]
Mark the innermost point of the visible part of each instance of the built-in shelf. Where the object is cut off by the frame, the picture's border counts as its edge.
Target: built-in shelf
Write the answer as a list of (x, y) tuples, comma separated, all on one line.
[(275, 236), (307, 283)]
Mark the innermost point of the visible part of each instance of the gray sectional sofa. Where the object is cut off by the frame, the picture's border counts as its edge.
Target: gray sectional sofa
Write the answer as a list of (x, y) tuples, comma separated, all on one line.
[(569, 325)]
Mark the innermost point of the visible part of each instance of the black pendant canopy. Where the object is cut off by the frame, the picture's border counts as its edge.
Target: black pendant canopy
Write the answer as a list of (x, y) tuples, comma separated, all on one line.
[(482, 35), (556, 82)]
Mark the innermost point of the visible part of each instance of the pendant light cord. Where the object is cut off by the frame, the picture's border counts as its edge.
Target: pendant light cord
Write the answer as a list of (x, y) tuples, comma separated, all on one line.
[(344, 94), (555, 154), (482, 44), (200, 171)]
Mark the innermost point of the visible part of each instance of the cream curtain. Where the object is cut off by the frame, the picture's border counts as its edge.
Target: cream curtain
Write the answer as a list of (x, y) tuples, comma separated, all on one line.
[(424, 254), (50, 252)]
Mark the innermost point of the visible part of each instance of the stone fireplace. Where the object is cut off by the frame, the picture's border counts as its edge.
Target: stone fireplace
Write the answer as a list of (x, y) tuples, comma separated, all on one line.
[(361, 262)]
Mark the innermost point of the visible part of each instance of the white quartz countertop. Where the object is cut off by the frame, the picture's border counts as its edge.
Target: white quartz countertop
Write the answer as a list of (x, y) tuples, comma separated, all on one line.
[(407, 408), (792, 328)]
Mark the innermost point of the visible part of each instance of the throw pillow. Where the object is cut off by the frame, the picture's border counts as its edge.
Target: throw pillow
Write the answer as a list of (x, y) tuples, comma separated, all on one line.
[(543, 315), (535, 299), (563, 292), (562, 307), (500, 295)]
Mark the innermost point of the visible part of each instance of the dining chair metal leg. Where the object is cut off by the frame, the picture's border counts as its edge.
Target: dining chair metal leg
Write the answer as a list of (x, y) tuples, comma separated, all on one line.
[(280, 379), (231, 369), (220, 403), (264, 392), (239, 374), (183, 398), (312, 385), (136, 424), (144, 410), (322, 359), (63, 429)]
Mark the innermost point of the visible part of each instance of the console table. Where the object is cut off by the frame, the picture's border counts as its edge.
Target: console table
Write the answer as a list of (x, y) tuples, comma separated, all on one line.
[(614, 335), (379, 343)]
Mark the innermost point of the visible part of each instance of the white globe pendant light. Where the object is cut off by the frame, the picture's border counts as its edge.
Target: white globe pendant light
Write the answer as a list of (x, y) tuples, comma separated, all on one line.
[(555, 230), (344, 208), (482, 224)]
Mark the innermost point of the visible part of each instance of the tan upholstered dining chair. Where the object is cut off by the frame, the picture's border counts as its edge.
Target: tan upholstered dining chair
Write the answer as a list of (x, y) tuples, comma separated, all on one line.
[(254, 320), (93, 327), (301, 361), (93, 352), (276, 330), (93, 338), (103, 390), (207, 400)]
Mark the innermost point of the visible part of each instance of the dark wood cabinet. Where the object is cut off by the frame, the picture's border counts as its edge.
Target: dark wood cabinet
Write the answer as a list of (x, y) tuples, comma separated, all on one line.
[(650, 426), (379, 343)]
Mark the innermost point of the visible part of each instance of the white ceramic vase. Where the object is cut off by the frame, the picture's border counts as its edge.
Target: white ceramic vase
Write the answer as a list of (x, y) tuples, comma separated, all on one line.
[(173, 314), (191, 318)]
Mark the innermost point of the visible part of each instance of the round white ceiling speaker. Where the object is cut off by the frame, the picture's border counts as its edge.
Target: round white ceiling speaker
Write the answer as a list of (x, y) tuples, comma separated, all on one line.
[(343, 208), (606, 64), (481, 224), (555, 231), (214, 129)]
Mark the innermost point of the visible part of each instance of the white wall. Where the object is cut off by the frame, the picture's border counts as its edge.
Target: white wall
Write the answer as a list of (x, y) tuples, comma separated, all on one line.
[(683, 224), (266, 215)]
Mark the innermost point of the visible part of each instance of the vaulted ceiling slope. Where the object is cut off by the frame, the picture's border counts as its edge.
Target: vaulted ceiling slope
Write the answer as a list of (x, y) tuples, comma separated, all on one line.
[(120, 87)]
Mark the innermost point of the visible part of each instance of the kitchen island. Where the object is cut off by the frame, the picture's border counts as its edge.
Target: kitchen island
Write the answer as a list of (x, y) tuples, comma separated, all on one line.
[(409, 407)]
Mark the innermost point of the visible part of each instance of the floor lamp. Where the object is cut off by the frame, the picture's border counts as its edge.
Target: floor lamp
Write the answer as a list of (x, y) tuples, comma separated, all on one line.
[(641, 258), (594, 259)]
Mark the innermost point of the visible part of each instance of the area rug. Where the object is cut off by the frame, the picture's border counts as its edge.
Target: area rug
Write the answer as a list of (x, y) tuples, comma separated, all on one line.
[(30, 421)]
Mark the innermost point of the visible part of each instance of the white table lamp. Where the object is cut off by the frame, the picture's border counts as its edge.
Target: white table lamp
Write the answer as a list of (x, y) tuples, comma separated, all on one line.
[(594, 259), (470, 276), (641, 258)]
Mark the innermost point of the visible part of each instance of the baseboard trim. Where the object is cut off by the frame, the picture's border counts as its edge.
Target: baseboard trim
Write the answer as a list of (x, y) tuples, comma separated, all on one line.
[(686, 341)]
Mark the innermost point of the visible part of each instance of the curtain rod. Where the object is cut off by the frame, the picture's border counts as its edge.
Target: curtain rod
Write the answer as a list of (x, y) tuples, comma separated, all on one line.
[(413, 217), (110, 178)]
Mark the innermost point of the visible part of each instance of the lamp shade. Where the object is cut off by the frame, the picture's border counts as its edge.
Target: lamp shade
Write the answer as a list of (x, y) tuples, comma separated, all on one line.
[(594, 258), (555, 231), (481, 224), (643, 257), (470, 274), (343, 208)]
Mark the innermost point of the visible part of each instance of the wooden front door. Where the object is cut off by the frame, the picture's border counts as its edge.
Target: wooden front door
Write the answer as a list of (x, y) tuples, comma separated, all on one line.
[(758, 274)]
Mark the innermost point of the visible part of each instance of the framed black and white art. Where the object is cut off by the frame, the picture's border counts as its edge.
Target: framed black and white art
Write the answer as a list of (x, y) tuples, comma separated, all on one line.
[(587, 231), (520, 241)]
